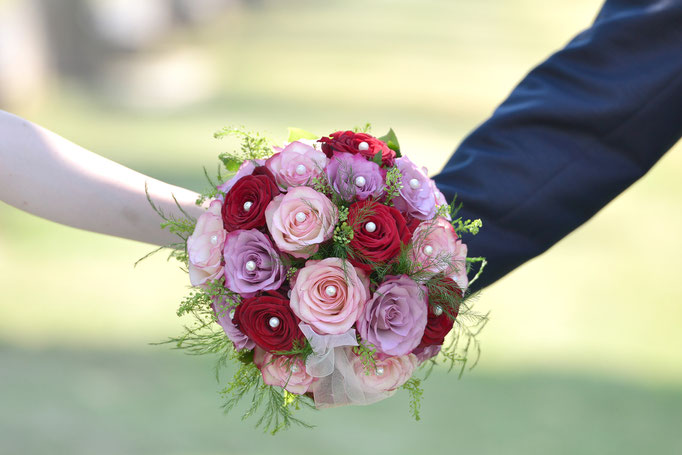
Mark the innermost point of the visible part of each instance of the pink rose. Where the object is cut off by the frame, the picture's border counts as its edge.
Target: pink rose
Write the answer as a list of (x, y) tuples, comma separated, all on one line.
[(437, 248), (389, 374), (300, 220), (440, 201), (205, 246), (286, 372), (329, 295), (296, 164), (245, 169)]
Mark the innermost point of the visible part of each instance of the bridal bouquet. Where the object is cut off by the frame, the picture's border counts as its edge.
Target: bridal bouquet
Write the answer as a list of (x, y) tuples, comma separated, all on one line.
[(331, 269)]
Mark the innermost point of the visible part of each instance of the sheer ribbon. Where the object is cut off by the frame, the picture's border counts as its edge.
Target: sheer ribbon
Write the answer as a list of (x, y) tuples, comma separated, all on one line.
[(337, 383)]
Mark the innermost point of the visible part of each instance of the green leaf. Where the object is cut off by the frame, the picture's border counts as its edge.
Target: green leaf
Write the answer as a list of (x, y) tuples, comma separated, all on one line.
[(378, 158), (231, 163), (297, 133), (392, 141)]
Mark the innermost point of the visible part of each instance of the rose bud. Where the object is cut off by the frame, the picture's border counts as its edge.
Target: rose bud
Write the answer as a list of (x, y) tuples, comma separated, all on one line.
[(417, 196), (443, 309), (436, 248), (245, 203), (378, 233), (329, 295), (297, 164), (286, 372), (251, 263), (268, 320), (300, 220), (389, 373), (357, 143), (354, 178), (205, 246), (394, 319)]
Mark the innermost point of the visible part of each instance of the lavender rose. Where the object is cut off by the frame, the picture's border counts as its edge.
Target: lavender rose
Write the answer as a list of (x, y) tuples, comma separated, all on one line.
[(426, 352), (205, 246), (395, 319), (296, 164), (251, 263), (224, 311), (353, 177), (417, 197), (245, 169)]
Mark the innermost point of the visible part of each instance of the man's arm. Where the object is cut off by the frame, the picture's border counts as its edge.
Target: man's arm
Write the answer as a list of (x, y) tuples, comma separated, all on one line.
[(576, 132), (44, 174)]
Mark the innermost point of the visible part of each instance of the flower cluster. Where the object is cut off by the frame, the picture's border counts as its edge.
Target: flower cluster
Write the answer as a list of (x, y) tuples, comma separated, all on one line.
[(334, 259)]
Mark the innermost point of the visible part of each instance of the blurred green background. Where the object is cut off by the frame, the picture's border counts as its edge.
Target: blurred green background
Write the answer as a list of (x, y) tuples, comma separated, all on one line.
[(583, 354)]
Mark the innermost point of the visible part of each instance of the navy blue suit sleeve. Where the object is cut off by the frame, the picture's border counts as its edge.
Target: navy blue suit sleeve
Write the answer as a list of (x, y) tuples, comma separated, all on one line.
[(576, 132)]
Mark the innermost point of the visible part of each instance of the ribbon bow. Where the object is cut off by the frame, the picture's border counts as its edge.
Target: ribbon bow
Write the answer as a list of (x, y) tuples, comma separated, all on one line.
[(321, 362)]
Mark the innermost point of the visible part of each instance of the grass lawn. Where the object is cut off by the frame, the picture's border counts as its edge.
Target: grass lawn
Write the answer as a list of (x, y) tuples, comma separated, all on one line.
[(105, 402)]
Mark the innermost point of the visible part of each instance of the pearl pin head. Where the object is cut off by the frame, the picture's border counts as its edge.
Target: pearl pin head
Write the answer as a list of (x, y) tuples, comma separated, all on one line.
[(360, 181), (380, 371), (330, 291), (214, 239), (428, 250), (301, 217), (250, 266), (414, 184), (370, 227), (437, 310), (301, 169), (248, 205), (363, 146), (294, 368), (274, 322)]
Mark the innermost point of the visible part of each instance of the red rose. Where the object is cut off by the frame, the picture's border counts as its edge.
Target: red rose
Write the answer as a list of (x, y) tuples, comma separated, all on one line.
[(378, 232), (442, 314), (268, 320), (245, 203), (364, 144), (412, 223)]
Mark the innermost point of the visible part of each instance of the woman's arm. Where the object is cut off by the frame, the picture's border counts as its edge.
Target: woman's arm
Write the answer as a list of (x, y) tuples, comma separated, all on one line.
[(45, 174)]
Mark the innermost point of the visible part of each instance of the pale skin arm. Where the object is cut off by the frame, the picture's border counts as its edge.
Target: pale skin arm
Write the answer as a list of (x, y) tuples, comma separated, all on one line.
[(49, 176)]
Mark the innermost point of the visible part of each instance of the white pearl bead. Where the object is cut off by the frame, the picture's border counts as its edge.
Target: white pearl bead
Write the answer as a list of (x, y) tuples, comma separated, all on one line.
[(370, 227), (214, 239), (437, 310), (294, 368), (428, 250), (248, 205), (330, 291), (414, 184), (301, 169), (274, 322), (380, 371), (301, 217), (250, 266), (360, 181), (362, 146), (232, 314)]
